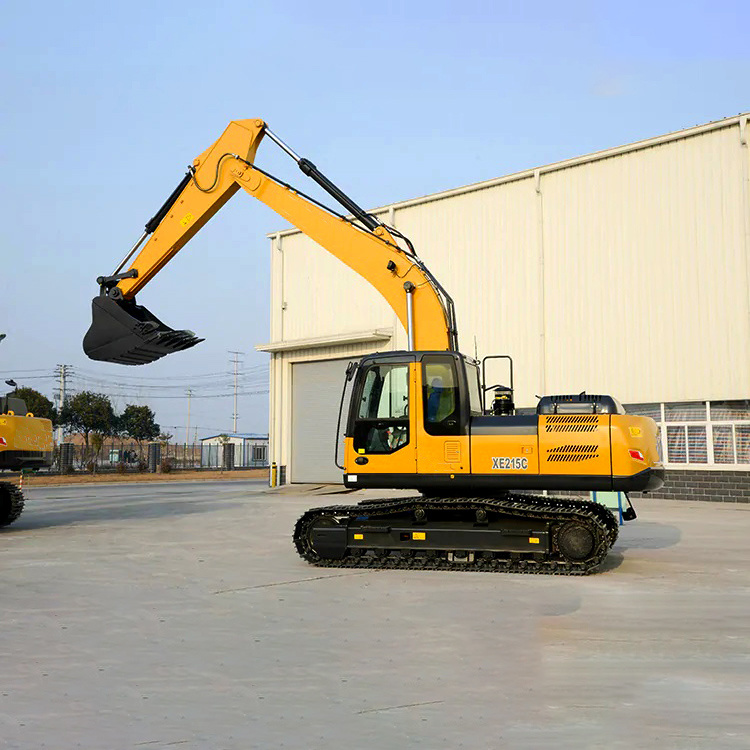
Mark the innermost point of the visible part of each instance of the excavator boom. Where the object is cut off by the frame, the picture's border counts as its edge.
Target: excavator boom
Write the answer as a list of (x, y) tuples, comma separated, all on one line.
[(127, 333)]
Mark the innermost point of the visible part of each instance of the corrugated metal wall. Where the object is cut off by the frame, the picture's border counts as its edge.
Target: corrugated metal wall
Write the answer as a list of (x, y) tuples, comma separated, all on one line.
[(645, 275), (315, 294), (484, 247), (625, 272)]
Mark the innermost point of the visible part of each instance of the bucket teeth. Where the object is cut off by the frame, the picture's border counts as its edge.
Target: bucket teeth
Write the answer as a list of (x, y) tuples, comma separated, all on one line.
[(128, 334)]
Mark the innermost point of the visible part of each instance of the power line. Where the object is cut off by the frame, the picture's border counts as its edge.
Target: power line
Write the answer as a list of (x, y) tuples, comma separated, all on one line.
[(28, 377), (150, 396), (250, 382), (253, 369), (20, 372), (225, 379), (220, 395), (156, 389), (226, 382)]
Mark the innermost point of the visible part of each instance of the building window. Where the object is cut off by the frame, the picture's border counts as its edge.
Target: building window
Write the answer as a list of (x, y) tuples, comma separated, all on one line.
[(730, 411), (701, 433), (676, 447), (685, 412), (697, 448), (742, 441), (723, 444)]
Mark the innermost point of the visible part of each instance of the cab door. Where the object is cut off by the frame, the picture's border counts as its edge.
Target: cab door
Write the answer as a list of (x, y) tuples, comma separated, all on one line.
[(380, 438), (442, 424)]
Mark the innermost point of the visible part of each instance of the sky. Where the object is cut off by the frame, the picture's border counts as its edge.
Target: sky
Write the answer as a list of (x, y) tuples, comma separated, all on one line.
[(103, 107)]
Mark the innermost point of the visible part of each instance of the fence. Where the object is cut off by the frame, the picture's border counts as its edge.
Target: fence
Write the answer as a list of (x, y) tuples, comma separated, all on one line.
[(126, 457)]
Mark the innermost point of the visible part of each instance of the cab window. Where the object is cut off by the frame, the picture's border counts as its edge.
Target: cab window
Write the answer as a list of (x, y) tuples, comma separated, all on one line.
[(382, 423), (475, 391), (440, 395)]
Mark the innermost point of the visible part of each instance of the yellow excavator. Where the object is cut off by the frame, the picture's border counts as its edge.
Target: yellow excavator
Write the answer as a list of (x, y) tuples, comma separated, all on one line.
[(25, 443), (416, 419)]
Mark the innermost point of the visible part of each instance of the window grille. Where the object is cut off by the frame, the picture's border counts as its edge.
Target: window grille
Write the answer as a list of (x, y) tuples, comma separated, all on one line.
[(676, 447), (742, 441), (700, 433), (730, 411), (723, 444), (697, 447), (690, 411)]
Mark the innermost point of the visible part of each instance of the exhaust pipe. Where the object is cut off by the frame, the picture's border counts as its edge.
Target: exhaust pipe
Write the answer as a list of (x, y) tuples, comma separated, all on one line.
[(126, 333)]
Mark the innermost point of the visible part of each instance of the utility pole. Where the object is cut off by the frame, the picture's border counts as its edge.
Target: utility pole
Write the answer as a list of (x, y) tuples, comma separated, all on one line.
[(187, 429), (236, 362), (62, 371)]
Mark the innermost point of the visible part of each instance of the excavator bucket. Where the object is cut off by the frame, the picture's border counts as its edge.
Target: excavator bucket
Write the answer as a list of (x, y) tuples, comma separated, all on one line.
[(129, 334)]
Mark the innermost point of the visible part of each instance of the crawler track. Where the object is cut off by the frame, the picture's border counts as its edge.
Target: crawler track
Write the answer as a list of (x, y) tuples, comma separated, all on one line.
[(11, 503), (555, 511)]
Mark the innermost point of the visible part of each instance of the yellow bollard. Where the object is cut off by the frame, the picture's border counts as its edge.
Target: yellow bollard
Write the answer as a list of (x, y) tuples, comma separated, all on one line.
[(273, 474)]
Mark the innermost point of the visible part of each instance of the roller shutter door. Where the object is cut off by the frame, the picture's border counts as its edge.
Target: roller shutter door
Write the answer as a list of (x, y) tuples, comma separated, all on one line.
[(316, 394)]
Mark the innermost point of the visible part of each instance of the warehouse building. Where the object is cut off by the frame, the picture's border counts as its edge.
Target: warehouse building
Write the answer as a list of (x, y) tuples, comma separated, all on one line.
[(626, 272)]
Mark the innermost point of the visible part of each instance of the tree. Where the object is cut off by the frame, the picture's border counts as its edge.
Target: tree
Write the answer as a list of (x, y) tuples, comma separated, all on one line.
[(38, 404), (88, 412), (138, 423), (97, 443)]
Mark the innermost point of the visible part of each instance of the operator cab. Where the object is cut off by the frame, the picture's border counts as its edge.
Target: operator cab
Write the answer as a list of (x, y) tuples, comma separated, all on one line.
[(379, 416), (10, 404)]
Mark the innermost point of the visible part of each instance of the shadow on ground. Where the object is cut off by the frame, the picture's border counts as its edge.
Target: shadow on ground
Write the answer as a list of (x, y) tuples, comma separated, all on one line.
[(649, 535), (559, 605), (99, 511), (611, 562)]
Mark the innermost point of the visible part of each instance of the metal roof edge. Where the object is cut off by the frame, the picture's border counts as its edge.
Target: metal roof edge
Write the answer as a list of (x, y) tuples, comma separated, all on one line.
[(360, 337), (675, 135)]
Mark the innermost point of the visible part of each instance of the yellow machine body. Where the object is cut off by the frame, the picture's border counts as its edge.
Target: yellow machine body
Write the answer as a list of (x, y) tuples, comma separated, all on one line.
[(25, 441), (485, 454)]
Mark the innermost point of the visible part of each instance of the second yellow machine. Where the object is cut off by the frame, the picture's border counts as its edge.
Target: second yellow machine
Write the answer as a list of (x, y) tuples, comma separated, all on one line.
[(25, 444), (416, 419)]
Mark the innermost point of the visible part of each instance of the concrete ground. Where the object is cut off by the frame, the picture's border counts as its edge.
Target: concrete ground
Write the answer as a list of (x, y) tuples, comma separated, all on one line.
[(179, 615)]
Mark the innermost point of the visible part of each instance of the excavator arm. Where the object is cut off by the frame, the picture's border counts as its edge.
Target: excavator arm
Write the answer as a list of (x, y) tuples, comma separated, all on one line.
[(125, 332)]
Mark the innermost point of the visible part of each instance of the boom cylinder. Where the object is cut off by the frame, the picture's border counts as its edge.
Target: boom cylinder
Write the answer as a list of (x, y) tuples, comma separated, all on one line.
[(410, 288), (315, 174)]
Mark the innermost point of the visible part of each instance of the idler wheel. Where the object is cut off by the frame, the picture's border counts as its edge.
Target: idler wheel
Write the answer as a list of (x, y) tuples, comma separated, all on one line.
[(574, 541), (328, 538)]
